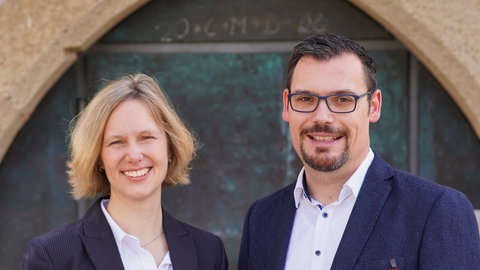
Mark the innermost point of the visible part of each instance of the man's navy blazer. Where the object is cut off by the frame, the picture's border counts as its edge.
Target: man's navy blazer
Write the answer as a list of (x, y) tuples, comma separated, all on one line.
[(419, 224), (89, 244)]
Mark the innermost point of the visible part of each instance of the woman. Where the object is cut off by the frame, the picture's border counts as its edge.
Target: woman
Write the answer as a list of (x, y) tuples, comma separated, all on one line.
[(127, 145)]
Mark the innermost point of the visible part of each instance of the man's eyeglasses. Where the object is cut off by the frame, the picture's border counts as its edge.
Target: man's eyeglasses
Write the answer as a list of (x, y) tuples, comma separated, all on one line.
[(336, 103)]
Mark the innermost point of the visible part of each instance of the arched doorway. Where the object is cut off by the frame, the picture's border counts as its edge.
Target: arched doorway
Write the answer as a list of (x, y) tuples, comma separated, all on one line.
[(223, 66)]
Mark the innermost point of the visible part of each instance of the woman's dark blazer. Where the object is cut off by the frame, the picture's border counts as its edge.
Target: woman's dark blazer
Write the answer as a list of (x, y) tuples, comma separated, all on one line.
[(89, 244)]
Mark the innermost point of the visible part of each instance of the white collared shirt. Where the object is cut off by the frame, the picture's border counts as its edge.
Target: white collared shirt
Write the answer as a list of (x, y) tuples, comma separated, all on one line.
[(132, 254), (317, 229)]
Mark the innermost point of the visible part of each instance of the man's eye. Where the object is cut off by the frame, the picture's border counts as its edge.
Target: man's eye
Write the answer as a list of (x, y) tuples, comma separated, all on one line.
[(344, 99), (305, 99)]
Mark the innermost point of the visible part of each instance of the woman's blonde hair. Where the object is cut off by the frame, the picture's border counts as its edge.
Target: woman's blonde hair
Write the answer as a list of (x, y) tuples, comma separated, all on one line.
[(87, 130)]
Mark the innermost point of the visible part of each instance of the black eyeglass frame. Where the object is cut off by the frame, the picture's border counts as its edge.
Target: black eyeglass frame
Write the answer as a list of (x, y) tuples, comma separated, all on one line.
[(319, 98)]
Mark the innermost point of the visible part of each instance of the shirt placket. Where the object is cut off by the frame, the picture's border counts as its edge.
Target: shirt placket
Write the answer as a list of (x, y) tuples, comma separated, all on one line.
[(320, 239)]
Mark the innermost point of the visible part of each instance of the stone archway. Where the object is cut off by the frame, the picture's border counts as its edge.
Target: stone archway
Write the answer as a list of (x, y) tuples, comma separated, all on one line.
[(443, 35), (40, 42)]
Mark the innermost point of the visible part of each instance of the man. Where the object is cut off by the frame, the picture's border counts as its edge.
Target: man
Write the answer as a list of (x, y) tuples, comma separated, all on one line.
[(348, 208)]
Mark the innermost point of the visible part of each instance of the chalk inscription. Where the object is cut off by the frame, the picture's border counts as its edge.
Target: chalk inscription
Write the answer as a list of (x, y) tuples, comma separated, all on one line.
[(269, 25)]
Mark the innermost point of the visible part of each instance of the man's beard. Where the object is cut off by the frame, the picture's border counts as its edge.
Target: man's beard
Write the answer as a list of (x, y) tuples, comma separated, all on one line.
[(324, 164)]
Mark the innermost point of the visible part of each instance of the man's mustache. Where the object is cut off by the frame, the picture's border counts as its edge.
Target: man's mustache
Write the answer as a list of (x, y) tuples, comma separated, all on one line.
[(322, 129)]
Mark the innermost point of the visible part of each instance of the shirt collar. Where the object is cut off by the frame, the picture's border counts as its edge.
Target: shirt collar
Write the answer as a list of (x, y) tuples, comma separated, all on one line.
[(352, 186), (118, 233)]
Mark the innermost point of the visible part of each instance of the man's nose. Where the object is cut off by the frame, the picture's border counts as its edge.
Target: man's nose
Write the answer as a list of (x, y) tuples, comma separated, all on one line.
[(322, 113)]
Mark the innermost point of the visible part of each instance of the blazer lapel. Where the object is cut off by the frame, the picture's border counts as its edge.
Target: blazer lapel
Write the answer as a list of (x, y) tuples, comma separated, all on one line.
[(369, 204), (180, 244), (99, 241), (281, 229)]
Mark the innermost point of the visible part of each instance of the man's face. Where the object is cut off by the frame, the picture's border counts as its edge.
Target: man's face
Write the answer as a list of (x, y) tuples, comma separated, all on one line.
[(327, 141)]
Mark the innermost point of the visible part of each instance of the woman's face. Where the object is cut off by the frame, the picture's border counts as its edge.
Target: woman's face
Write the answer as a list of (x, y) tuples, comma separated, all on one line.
[(134, 152)]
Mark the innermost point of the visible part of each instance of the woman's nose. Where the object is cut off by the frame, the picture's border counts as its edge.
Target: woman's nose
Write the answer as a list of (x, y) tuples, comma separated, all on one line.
[(134, 155)]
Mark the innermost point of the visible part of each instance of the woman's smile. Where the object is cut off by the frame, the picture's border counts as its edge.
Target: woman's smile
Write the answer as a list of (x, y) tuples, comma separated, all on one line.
[(136, 173)]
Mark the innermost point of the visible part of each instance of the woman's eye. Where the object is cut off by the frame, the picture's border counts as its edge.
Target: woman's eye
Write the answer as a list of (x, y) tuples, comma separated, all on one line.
[(115, 142)]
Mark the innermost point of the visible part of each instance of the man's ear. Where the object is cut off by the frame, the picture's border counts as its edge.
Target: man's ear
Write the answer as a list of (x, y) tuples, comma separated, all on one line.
[(285, 105), (375, 106)]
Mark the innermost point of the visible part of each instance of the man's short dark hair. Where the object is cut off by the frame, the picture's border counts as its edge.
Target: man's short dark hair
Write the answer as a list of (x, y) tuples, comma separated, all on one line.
[(327, 46)]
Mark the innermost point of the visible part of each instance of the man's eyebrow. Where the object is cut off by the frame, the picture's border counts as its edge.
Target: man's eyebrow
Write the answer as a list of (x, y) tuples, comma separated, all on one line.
[(330, 92)]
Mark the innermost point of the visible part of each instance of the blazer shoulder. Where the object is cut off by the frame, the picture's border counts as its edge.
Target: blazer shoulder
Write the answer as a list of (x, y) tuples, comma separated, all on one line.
[(180, 228), (423, 186), (199, 234), (63, 235), (422, 193), (415, 193), (67, 234), (208, 247), (272, 201), (406, 183), (53, 249)]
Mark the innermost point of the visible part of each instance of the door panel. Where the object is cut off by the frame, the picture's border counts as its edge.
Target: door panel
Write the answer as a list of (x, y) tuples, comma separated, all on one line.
[(34, 194), (389, 136), (448, 151), (243, 20)]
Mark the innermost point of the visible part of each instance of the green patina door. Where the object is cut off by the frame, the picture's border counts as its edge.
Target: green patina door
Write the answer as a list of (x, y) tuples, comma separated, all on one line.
[(222, 63)]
